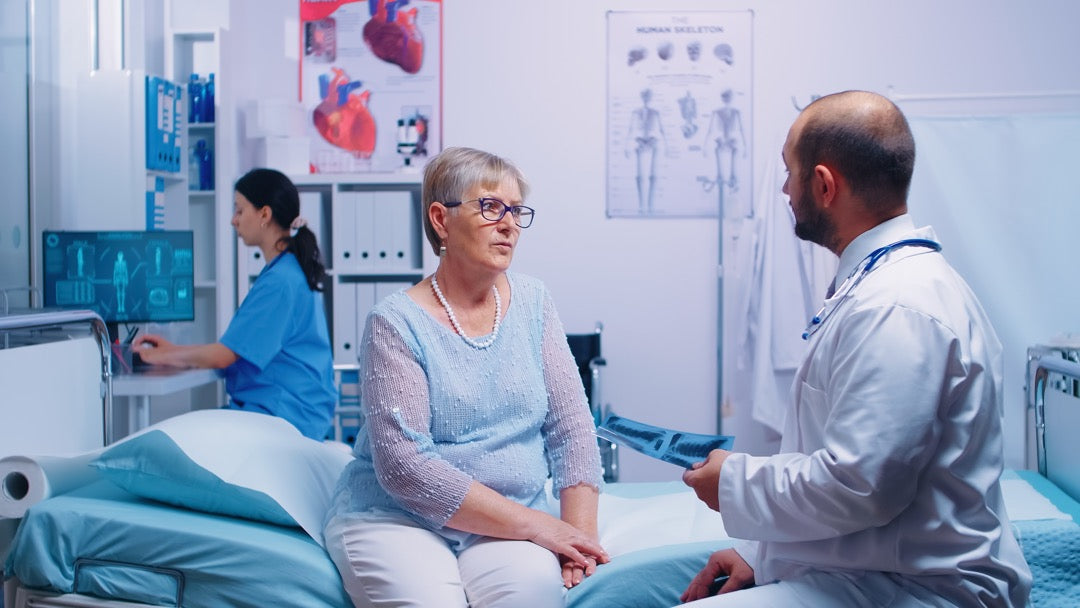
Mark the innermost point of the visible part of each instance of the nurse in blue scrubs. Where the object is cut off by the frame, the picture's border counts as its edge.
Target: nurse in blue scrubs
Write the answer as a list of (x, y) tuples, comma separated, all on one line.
[(275, 355)]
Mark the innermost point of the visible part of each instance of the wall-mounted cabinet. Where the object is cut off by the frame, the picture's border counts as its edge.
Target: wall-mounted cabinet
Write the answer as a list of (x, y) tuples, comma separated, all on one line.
[(371, 239)]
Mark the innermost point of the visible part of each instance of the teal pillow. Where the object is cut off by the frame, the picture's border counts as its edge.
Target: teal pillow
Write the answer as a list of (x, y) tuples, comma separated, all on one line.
[(230, 462), (156, 467)]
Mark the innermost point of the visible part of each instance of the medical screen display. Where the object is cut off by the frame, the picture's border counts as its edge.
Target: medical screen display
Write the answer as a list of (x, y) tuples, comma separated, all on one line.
[(124, 276)]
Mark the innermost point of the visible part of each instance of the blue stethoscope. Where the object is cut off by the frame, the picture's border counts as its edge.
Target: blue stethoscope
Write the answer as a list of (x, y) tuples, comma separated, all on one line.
[(857, 275)]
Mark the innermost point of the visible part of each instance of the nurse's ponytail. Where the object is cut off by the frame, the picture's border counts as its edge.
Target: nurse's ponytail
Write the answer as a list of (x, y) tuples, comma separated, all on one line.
[(268, 187), (303, 245)]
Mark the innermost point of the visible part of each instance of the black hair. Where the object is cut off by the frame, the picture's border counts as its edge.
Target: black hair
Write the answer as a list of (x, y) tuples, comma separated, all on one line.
[(268, 187), (875, 153)]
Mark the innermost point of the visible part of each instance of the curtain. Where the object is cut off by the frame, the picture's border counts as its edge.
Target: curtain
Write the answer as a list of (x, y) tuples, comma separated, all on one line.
[(1002, 194)]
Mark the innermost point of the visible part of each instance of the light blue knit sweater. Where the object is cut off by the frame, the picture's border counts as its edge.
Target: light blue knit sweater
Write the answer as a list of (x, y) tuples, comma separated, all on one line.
[(438, 413)]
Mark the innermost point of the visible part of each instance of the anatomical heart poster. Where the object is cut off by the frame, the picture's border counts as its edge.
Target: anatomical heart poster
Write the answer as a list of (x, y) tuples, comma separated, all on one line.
[(369, 83)]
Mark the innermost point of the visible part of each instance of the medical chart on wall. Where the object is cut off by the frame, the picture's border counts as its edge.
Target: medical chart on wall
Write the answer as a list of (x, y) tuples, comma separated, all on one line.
[(679, 102), (370, 83)]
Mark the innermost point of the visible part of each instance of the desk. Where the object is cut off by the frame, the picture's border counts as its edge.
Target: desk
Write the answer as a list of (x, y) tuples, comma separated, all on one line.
[(140, 386)]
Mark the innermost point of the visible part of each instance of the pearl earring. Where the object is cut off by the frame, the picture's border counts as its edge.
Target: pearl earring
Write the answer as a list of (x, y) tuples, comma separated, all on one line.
[(442, 251)]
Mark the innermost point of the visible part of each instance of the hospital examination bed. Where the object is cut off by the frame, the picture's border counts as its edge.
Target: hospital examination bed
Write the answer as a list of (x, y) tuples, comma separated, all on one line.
[(247, 537)]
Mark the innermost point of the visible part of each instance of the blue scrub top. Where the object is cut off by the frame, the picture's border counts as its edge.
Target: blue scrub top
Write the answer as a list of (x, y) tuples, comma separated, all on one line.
[(285, 366)]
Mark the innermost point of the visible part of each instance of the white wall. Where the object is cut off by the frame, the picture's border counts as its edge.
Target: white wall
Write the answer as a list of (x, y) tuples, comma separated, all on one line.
[(526, 80)]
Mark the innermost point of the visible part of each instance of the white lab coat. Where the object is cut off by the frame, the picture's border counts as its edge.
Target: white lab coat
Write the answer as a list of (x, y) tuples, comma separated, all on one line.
[(892, 452)]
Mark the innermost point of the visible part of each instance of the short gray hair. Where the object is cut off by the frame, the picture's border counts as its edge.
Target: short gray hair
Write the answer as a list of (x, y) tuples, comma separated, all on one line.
[(450, 174)]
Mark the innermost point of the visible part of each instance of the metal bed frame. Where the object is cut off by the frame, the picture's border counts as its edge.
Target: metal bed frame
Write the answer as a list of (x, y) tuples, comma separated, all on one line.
[(39, 327), (32, 328), (1053, 369)]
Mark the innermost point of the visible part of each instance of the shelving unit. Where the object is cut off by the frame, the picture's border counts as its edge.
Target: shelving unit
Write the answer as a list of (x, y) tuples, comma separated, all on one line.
[(207, 211), (372, 241), (201, 212)]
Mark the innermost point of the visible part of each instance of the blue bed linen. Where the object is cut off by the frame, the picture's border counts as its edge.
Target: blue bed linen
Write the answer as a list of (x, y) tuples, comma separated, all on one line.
[(224, 561), (1052, 548), (1047, 488), (228, 561), (657, 576), (654, 576), (645, 578), (268, 565)]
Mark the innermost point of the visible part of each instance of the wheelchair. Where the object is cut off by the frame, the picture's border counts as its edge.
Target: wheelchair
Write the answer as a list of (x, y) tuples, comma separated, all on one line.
[(590, 362)]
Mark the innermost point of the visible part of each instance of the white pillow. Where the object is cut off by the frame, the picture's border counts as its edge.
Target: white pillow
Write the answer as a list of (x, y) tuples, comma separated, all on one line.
[(230, 462), (628, 524)]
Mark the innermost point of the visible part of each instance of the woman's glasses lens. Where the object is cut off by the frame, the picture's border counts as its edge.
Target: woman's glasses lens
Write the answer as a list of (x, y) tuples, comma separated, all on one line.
[(523, 216), (493, 210)]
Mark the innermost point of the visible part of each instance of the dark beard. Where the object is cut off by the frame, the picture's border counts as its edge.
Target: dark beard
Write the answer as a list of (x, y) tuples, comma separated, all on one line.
[(814, 225)]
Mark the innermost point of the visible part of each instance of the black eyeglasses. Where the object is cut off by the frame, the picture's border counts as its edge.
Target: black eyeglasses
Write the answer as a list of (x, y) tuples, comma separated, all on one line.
[(493, 210)]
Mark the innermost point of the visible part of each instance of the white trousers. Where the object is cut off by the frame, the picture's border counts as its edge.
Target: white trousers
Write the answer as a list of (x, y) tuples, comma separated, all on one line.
[(389, 560), (832, 589)]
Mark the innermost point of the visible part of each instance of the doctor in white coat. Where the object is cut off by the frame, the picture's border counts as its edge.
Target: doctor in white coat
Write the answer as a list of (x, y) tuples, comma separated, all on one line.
[(886, 490)]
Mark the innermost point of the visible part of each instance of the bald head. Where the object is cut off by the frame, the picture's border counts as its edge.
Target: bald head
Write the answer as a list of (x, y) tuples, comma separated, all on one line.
[(866, 139)]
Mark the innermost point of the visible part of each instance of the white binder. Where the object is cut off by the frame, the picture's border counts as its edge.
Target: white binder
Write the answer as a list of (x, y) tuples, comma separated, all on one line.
[(254, 258), (343, 232), (312, 211), (364, 228), (344, 336), (352, 303), (393, 210)]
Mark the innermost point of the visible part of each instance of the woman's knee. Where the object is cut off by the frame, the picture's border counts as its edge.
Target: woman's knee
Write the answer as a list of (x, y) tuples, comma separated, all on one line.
[(500, 573), (385, 563)]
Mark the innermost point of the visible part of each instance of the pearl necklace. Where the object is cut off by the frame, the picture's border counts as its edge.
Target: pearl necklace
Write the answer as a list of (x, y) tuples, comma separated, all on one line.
[(453, 318)]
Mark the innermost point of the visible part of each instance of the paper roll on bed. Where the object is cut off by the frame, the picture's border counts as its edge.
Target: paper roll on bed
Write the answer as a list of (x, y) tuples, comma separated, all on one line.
[(26, 481)]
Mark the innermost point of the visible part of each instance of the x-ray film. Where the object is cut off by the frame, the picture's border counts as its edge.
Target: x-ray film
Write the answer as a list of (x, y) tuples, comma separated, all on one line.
[(676, 447)]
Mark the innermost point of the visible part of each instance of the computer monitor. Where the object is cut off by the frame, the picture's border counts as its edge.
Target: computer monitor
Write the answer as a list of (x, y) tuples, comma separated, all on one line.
[(124, 276)]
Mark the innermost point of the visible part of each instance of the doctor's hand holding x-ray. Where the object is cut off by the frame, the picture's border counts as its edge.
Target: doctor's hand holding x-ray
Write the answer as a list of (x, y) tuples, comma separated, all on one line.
[(886, 488)]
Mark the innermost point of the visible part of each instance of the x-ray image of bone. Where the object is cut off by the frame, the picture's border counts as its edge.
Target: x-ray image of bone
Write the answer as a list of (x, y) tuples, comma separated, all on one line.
[(688, 110), (677, 447), (645, 140), (727, 140)]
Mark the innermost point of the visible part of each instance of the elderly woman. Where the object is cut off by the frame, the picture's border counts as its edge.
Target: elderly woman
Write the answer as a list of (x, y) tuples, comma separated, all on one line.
[(470, 402)]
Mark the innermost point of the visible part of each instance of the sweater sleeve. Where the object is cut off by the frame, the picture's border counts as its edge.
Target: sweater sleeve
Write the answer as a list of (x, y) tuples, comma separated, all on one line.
[(397, 417), (569, 434)]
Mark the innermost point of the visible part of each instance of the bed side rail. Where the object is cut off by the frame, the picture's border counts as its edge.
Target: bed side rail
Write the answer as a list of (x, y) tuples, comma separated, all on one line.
[(21, 324), (1053, 389)]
